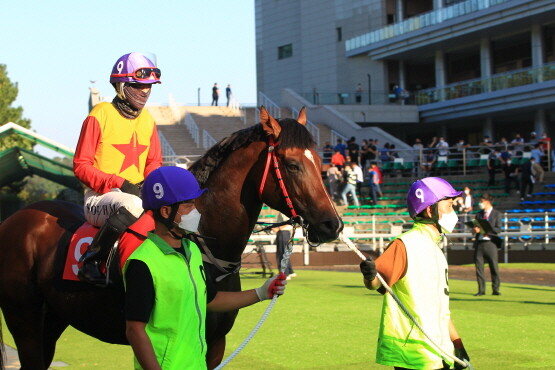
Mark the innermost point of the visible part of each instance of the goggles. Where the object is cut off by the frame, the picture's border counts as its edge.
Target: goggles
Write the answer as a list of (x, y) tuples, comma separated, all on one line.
[(144, 73)]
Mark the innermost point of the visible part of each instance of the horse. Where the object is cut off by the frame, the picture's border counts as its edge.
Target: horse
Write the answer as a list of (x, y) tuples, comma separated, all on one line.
[(273, 162)]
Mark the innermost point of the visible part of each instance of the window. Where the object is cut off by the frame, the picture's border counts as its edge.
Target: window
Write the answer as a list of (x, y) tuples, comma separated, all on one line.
[(339, 34), (285, 51)]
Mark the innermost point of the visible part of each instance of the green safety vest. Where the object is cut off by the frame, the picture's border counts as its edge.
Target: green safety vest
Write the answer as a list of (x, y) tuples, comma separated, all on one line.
[(177, 323), (424, 291)]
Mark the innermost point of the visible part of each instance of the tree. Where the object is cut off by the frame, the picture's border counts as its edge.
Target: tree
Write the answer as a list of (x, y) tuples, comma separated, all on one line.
[(8, 94)]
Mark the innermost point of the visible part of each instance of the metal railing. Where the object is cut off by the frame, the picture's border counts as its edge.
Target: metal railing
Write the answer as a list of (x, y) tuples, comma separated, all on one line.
[(192, 127), (311, 127), (334, 135), (207, 140), (353, 98), (496, 82), (179, 160), (271, 107), (421, 21), (167, 150)]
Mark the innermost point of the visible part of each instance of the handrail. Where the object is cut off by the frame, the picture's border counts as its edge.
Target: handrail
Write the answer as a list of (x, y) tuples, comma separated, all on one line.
[(192, 127), (167, 149), (207, 140), (179, 160), (496, 82), (311, 127), (420, 21), (336, 135), (271, 107)]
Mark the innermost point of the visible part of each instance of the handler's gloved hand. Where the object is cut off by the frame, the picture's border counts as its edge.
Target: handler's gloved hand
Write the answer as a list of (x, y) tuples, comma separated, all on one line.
[(460, 352), (368, 269), (274, 285), (130, 188)]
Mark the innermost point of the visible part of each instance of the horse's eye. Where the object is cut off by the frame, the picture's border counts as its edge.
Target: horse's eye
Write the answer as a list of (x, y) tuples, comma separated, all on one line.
[(293, 167)]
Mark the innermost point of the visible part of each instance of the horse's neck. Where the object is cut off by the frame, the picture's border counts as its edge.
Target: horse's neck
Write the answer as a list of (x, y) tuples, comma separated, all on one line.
[(232, 206)]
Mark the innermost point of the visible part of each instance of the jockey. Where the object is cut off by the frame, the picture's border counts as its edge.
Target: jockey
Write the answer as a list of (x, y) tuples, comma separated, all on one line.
[(118, 147), (416, 269), (167, 290)]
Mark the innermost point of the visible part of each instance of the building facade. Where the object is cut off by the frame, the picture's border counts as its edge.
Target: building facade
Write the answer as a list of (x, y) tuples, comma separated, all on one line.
[(472, 67)]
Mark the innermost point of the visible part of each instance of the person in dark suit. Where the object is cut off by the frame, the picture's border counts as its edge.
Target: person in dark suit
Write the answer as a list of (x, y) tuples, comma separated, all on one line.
[(486, 245)]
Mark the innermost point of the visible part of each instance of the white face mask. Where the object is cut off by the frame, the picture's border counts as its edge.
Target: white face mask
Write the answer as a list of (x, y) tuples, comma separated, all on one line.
[(190, 221), (481, 205), (448, 222), (467, 192)]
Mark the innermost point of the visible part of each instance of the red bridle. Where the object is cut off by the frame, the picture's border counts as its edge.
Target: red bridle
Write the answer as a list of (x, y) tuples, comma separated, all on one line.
[(272, 156)]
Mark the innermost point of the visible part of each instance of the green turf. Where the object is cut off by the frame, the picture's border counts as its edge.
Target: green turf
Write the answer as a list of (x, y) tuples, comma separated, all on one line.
[(327, 320)]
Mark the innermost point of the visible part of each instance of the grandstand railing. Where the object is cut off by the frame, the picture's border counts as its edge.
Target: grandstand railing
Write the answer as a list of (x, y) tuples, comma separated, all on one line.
[(454, 160), (271, 107), (311, 127), (179, 160), (167, 150), (208, 140), (192, 127)]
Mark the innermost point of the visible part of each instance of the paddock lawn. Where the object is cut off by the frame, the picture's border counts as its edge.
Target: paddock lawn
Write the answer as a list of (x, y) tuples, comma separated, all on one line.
[(328, 320)]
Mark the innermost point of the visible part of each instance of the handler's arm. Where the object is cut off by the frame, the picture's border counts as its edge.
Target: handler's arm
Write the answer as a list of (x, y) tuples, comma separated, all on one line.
[(391, 265), (141, 344)]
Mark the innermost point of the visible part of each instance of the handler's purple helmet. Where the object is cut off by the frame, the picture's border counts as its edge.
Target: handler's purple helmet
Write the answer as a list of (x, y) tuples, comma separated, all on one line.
[(168, 185), (135, 68), (427, 191)]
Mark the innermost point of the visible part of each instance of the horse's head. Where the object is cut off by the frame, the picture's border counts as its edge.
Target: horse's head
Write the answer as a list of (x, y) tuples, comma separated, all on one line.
[(298, 176)]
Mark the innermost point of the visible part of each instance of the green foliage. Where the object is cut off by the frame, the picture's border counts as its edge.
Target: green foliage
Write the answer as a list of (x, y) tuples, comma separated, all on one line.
[(328, 320), (8, 94), (38, 188)]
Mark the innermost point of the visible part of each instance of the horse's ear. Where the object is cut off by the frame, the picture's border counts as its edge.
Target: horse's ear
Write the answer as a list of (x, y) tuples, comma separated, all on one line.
[(302, 116), (269, 123)]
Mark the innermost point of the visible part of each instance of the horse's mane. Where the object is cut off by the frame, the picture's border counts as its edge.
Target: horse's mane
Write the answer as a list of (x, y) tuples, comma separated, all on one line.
[(293, 135)]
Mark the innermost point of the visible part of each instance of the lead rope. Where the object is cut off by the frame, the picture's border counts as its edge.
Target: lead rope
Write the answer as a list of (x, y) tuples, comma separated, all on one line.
[(352, 246), (284, 261)]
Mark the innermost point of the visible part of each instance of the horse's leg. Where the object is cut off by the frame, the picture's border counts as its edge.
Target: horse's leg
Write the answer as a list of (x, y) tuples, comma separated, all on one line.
[(53, 329), (25, 323), (215, 353)]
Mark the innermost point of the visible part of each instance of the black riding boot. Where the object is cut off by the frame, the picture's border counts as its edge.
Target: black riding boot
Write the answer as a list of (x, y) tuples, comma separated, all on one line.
[(99, 248)]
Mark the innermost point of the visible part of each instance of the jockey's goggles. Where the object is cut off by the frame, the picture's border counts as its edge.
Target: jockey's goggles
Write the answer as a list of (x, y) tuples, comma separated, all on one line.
[(144, 73)]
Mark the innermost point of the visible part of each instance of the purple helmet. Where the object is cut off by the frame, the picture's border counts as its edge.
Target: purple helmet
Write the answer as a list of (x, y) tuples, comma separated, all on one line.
[(169, 185), (428, 191), (135, 68)]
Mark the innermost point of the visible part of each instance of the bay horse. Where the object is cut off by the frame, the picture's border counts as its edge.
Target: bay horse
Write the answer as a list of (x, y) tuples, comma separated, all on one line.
[(236, 171)]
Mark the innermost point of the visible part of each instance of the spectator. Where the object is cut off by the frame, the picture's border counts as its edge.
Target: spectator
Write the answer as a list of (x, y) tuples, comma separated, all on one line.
[(380, 181), (327, 150), (533, 138), (372, 151), (228, 94), (215, 94), (486, 143), (374, 182), (463, 205), (364, 153), (360, 176), (342, 148), (485, 246), (358, 93), (503, 143), (492, 166), (526, 179), (417, 154), (518, 145), (442, 147), (334, 178), (510, 170), (350, 177), (433, 142), (428, 161), (338, 159), (385, 154), (353, 149), (545, 143), (537, 169)]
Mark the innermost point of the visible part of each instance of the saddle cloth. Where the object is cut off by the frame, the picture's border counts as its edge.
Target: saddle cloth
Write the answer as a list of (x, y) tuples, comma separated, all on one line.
[(84, 235)]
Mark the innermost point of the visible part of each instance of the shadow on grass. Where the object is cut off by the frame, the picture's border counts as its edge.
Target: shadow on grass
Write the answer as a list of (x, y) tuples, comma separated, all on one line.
[(453, 299)]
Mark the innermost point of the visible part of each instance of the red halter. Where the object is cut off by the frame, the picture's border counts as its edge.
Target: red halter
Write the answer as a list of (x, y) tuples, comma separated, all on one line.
[(272, 155)]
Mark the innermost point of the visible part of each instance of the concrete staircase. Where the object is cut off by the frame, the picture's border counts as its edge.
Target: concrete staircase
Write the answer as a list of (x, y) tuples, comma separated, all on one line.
[(220, 122)]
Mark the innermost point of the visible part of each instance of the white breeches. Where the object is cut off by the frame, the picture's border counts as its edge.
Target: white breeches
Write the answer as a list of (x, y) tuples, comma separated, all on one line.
[(98, 207)]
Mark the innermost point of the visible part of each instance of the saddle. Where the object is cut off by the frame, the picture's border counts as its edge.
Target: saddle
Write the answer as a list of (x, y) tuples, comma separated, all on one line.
[(83, 236)]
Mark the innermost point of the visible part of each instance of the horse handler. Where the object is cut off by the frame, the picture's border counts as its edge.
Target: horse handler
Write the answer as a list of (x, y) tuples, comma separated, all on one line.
[(167, 290), (415, 268)]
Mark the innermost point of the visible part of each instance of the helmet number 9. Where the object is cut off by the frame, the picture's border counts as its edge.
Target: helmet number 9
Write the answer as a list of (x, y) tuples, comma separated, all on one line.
[(158, 190), (420, 195), (120, 66)]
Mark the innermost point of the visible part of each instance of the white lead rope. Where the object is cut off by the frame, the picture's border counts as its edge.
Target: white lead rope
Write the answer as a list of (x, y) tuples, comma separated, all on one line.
[(352, 246), (284, 262)]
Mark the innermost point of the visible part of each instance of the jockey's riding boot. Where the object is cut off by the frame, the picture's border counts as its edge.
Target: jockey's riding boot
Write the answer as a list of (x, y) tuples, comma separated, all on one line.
[(99, 248)]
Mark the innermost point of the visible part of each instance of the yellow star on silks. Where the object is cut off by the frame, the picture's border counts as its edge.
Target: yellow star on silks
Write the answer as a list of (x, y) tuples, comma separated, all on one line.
[(131, 151)]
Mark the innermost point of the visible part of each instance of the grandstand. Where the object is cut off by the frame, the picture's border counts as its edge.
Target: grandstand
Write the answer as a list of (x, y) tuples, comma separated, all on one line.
[(529, 225)]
